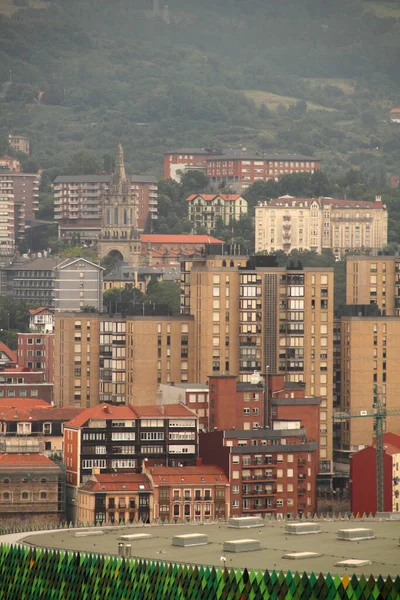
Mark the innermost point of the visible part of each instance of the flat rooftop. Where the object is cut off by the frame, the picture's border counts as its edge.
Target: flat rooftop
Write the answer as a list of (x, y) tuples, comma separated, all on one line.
[(383, 551)]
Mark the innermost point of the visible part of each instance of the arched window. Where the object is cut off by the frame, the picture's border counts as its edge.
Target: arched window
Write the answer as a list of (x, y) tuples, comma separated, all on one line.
[(116, 215), (24, 495)]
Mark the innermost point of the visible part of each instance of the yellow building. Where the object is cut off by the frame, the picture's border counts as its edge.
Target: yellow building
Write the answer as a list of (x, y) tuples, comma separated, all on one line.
[(76, 359), (284, 318), (374, 280), (290, 223), (204, 210), (370, 350)]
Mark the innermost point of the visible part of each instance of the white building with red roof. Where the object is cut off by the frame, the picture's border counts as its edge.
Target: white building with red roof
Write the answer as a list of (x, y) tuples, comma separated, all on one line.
[(41, 320), (289, 223), (206, 210)]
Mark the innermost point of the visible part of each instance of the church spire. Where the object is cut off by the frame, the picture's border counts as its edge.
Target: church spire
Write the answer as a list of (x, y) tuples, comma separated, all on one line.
[(119, 175)]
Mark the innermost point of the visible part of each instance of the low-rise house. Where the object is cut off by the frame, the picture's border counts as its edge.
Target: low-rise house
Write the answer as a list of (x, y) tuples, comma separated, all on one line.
[(201, 492), (205, 210), (41, 320), (115, 498)]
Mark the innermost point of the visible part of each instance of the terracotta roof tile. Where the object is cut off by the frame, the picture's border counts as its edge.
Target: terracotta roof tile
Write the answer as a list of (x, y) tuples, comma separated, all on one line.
[(23, 403), (36, 311), (107, 411), (210, 197), (13, 460), (200, 474), (118, 482), (10, 353)]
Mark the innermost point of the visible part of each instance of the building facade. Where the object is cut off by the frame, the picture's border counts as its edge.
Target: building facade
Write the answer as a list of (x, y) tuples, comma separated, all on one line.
[(41, 320), (194, 395), (289, 223), (31, 281), (10, 164), (374, 280), (115, 498), (270, 471), (121, 438), (199, 493), (31, 490), (186, 159), (21, 382), (78, 283), (363, 489), (239, 170), (36, 353), (369, 357), (206, 210), (19, 143)]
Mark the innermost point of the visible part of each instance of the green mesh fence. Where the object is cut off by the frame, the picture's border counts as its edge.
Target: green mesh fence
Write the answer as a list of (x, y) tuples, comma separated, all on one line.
[(50, 575)]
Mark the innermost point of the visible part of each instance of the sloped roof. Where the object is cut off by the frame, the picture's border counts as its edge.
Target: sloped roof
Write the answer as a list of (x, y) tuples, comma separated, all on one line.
[(23, 403), (334, 202), (108, 411), (200, 474), (13, 461), (17, 413), (118, 482), (211, 197), (12, 355), (36, 311)]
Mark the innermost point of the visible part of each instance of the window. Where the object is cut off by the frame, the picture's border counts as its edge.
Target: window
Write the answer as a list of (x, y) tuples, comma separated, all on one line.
[(6, 495), (47, 428), (43, 495), (24, 495)]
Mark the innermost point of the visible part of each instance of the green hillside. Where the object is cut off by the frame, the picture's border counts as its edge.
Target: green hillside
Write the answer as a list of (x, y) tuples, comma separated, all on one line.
[(312, 76)]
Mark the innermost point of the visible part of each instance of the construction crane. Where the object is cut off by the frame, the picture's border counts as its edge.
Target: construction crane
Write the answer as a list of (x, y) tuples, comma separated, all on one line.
[(379, 415)]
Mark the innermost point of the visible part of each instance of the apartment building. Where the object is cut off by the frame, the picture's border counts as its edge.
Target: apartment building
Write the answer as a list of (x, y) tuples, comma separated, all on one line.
[(78, 203), (114, 498), (370, 350), (119, 360), (12, 217), (76, 359), (35, 351), (19, 143), (363, 489), (270, 471), (240, 170), (26, 419), (10, 164), (122, 438), (206, 210), (186, 159), (31, 281), (199, 493), (285, 323), (125, 276), (20, 382), (374, 280), (290, 223), (78, 283), (194, 395)]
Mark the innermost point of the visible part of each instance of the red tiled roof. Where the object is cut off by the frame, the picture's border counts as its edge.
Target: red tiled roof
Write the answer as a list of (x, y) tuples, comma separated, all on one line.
[(10, 353), (102, 411), (210, 197), (197, 475), (118, 482), (178, 239), (36, 311), (6, 157), (23, 403), (12, 460), (108, 411), (38, 413), (395, 110)]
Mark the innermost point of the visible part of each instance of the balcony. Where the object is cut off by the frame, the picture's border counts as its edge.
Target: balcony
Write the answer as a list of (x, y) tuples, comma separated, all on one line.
[(301, 491), (301, 476)]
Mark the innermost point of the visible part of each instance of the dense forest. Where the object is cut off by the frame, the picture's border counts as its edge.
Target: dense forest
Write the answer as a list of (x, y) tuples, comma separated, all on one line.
[(311, 76)]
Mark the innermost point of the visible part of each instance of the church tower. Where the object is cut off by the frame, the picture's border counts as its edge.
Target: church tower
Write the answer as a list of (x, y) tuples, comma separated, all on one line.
[(119, 217)]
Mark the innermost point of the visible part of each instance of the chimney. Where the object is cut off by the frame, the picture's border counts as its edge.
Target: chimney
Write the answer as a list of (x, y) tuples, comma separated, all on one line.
[(378, 198), (106, 408), (96, 471)]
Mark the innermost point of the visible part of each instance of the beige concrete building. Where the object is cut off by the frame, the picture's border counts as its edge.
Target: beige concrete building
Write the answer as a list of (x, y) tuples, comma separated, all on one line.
[(290, 223), (76, 359), (284, 319), (374, 280), (204, 210), (370, 356), (160, 349)]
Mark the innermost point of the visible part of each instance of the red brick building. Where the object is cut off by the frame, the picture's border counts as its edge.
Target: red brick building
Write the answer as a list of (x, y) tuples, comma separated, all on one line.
[(7, 356), (270, 471), (240, 169), (363, 477), (20, 382), (36, 352), (186, 159), (200, 492)]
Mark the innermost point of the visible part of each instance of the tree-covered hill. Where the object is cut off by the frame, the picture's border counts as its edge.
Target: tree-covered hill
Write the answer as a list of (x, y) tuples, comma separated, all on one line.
[(204, 73)]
